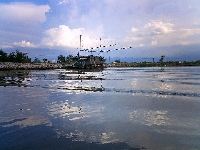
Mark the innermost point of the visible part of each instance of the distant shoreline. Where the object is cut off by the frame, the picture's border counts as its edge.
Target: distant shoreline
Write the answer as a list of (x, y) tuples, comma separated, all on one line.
[(28, 66), (47, 66), (156, 64)]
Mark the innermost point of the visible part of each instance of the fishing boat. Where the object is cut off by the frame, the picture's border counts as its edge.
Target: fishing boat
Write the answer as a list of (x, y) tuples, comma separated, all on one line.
[(86, 62)]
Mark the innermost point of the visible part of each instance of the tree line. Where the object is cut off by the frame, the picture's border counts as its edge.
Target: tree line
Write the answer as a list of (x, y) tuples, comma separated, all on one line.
[(16, 56)]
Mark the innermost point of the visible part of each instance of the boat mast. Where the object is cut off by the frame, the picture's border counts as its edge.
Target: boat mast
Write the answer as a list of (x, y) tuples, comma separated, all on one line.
[(80, 46), (80, 42), (100, 43)]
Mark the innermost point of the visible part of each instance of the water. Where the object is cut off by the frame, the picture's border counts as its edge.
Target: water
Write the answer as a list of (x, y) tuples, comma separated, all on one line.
[(114, 108)]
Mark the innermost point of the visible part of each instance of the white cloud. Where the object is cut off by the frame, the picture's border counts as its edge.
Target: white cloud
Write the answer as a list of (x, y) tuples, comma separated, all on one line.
[(158, 27), (93, 15), (63, 36), (133, 38), (150, 23), (19, 21), (23, 43), (134, 29), (188, 32), (187, 36), (147, 34), (23, 12), (6, 46), (64, 1), (166, 34), (154, 42)]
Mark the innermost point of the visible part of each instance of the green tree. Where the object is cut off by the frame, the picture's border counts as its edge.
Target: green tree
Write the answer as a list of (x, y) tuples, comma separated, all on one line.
[(162, 58), (17, 57), (69, 58), (3, 56), (21, 57), (12, 57), (103, 59), (117, 61), (61, 58)]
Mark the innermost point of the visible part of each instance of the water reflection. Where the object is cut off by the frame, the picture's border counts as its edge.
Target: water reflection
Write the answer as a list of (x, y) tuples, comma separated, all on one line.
[(14, 78), (115, 108), (143, 81), (170, 82), (63, 110), (27, 122), (150, 117)]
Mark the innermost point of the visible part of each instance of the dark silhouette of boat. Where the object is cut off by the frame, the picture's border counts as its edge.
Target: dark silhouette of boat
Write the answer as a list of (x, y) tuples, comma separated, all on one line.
[(86, 62)]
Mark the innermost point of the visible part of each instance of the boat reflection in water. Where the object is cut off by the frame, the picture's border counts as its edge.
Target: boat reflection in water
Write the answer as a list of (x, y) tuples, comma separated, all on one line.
[(112, 108)]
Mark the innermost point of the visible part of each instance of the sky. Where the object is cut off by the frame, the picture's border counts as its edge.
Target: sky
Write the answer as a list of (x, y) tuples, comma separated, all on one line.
[(118, 29)]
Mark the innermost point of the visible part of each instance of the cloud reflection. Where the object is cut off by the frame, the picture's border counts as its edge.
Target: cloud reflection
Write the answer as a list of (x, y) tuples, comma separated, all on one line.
[(151, 117), (27, 122), (109, 137), (63, 109)]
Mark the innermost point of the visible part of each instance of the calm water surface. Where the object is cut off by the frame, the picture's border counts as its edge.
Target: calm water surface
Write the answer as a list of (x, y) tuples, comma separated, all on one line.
[(114, 108)]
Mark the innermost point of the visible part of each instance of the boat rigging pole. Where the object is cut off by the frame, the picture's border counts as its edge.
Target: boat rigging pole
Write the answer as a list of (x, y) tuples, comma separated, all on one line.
[(100, 44), (80, 46)]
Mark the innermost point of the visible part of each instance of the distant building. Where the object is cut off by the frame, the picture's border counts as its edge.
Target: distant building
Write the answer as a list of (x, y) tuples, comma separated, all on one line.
[(36, 60)]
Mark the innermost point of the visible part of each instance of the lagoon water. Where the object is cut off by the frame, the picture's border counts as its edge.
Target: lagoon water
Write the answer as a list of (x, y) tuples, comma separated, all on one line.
[(115, 108)]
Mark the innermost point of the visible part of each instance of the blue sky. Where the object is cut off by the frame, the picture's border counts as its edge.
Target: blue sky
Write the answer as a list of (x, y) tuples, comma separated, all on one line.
[(48, 28)]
